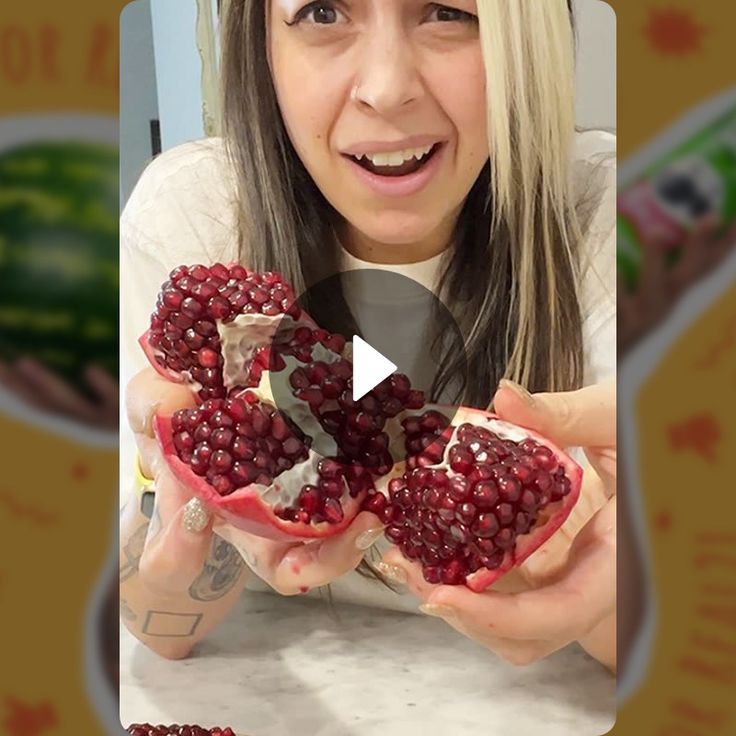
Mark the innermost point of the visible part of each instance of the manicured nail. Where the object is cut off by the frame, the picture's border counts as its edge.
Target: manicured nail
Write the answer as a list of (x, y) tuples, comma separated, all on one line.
[(394, 573), (432, 609), (518, 389), (368, 538), (195, 518)]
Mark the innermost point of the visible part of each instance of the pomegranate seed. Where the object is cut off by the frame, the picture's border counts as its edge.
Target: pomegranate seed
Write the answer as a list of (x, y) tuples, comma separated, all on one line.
[(509, 488), (333, 511), (493, 562), (485, 526), (431, 538), (222, 438), (466, 512), (432, 574), (453, 572), (528, 501), (375, 503), (222, 484), (336, 343), (505, 513), (309, 499), (208, 358), (183, 441), (221, 461), (543, 481), (293, 447), (505, 539), (459, 489), (332, 488), (485, 494), (236, 409), (521, 523), (220, 418), (460, 533), (202, 433), (332, 387), (243, 473), (313, 396)]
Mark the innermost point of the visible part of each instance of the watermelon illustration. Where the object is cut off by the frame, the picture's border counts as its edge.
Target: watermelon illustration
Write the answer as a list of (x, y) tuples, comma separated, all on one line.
[(59, 256)]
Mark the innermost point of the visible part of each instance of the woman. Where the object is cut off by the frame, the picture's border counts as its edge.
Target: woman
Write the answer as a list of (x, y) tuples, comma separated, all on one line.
[(434, 140)]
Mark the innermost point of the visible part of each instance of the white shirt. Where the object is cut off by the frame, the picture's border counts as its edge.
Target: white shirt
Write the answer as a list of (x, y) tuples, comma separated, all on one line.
[(183, 211)]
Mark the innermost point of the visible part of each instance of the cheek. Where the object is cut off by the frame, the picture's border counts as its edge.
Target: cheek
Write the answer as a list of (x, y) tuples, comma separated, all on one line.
[(459, 86), (300, 91)]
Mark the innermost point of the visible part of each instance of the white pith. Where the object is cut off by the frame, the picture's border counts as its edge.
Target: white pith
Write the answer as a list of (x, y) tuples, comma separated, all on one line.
[(503, 429), (241, 337), (286, 487)]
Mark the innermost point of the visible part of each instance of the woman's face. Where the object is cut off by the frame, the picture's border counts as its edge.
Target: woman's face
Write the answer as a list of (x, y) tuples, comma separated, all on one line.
[(384, 102)]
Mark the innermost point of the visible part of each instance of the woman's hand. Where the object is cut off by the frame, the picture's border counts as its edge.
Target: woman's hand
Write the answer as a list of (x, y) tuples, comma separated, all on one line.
[(179, 535), (553, 607), (297, 567)]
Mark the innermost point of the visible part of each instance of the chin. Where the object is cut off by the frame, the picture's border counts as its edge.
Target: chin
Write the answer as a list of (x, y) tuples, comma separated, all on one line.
[(393, 229)]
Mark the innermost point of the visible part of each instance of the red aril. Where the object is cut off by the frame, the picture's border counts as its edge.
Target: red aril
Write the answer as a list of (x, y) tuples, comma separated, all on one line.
[(148, 729), (246, 461), (209, 320), (280, 448), (299, 470), (477, 497)]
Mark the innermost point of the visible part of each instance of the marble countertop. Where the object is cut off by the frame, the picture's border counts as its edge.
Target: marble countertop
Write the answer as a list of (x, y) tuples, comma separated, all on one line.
[(291, 667)]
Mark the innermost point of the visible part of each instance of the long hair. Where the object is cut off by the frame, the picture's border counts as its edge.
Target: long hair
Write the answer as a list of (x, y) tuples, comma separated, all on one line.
[(514, 262)]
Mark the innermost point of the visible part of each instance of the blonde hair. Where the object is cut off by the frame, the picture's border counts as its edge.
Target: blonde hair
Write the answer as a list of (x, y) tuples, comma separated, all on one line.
[(510, 279), (528, 50)]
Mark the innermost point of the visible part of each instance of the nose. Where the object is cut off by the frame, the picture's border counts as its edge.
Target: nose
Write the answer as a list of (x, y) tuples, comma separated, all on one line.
[(387, 77)]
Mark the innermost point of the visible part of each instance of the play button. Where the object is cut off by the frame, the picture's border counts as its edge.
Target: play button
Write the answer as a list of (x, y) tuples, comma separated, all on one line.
[(382, 336), (369, 368)]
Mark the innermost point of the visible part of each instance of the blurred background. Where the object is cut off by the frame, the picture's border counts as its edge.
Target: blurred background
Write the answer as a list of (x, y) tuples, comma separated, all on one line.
[(60, 80)]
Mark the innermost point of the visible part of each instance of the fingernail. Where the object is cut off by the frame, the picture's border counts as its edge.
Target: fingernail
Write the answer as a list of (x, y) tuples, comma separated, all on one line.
[(394, 573), (518, 389), (367, 538), (195, 518), (440, 611)]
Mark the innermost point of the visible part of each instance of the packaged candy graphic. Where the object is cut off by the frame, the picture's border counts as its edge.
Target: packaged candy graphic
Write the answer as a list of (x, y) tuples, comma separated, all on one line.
[(696, 179)]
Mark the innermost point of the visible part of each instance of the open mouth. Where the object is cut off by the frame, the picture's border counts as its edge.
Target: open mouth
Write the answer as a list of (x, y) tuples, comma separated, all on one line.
[(397, 163)]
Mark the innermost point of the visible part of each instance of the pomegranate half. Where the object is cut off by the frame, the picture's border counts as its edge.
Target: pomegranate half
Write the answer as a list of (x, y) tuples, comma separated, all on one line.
[(477, 497)]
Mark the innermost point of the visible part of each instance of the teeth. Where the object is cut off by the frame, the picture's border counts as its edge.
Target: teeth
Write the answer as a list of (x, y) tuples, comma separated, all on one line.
[(397, 158)]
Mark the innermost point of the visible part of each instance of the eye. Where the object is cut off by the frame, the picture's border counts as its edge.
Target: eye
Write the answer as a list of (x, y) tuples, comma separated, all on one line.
[(445, 14), (317, 13)]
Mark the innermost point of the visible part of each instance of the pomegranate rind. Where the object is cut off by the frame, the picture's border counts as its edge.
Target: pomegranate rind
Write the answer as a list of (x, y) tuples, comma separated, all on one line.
[(150, 353), (555, 513), (244, 508)]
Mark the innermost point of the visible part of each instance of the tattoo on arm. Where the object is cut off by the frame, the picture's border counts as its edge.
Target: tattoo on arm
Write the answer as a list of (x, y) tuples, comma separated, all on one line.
[(126, 611), (223, 567), (167, 623), (132, 552)]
